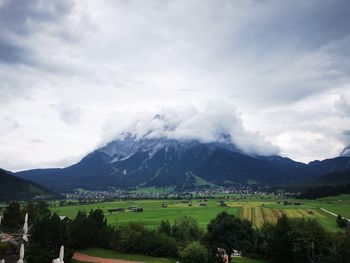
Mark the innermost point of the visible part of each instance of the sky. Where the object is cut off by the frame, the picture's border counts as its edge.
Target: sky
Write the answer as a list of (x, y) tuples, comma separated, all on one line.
[(274, 75)]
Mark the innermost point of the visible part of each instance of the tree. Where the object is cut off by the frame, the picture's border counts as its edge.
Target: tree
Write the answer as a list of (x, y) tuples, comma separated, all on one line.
[(134, 237), (296, 241), (229, 233), (186, 229), (98, 216), (13, 217), (342, 252), (310, 242), (83, 231), (165, 227), (342, 222), (47, 236), (281, 245), (194, 252), (162, 245)]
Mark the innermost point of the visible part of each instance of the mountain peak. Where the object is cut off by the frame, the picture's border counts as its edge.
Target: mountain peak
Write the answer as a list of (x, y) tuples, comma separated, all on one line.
[(345, 152)]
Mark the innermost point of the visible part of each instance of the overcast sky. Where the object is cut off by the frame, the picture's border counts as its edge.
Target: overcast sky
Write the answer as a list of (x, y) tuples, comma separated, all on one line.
[(73, 74)]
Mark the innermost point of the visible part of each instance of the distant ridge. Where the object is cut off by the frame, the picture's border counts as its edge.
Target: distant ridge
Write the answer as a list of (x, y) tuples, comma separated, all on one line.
[(14, 188), (183, 164)]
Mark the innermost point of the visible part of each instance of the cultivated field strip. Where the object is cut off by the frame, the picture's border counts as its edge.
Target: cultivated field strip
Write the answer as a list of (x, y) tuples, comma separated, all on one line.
[(269, 215), (259, 215), (246, 213), (259, 219)]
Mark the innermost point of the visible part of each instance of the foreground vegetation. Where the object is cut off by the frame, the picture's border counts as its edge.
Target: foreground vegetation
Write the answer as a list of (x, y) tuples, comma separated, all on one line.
[(104, 253), (293, 240)]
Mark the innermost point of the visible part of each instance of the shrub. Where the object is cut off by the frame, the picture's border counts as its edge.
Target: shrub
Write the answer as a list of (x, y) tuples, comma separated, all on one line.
[(194, 252)]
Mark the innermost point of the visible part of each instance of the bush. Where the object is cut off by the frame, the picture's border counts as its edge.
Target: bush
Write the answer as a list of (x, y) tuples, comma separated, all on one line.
[(342, 222), (134, 238), (229, 232), (186, 229), (194, 252), (296, 241), (162, 245)]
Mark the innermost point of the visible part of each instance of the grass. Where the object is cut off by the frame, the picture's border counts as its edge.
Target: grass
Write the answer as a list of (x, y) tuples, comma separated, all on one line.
[(258, 210), (153, 211)]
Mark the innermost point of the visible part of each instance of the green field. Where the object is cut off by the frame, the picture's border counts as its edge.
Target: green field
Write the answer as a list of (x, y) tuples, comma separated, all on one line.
[(153, 211), (255, 210), (97, 252)]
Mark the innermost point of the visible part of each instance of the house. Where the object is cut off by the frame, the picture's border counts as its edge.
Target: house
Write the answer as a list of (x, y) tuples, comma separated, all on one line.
[(64, 218), (137, 209)]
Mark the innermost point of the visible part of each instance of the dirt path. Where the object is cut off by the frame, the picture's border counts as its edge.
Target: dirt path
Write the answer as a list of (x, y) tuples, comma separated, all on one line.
[(87, 258), (329, 212)]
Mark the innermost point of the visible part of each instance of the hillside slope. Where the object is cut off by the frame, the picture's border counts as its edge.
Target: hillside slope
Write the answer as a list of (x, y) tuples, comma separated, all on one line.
[(13, 188)]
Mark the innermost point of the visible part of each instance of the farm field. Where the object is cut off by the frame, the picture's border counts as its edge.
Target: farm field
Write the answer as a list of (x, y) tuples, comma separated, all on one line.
[(255, 210), (153, 211)]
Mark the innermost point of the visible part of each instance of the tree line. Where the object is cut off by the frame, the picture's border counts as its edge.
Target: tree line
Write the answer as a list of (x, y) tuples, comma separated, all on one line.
[(288, 241)]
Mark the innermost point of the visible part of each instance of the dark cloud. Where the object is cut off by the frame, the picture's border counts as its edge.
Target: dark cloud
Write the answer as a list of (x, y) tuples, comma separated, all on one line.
[(10, 53), (21, 18), (346, 133), (296, 25)]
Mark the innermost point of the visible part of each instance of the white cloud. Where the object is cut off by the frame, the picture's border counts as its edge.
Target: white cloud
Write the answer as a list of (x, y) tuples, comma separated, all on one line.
[(216, 122)]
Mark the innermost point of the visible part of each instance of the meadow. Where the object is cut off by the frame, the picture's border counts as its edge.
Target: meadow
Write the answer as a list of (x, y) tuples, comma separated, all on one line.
[(256, 210)]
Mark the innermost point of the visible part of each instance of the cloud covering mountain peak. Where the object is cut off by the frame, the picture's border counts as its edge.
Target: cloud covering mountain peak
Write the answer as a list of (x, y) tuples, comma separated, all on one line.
[(215, 122)]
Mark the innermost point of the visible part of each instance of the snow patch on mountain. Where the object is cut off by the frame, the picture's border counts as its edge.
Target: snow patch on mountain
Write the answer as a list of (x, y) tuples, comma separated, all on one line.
[(345, 152)]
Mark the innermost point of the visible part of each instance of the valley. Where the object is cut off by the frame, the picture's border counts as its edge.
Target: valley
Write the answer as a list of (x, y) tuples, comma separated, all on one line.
[(251, 208)]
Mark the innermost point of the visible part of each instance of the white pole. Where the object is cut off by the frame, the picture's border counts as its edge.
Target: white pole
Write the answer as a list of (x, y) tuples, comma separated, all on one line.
[(21, 254), (25, 232), (61, 254), (25, 228)]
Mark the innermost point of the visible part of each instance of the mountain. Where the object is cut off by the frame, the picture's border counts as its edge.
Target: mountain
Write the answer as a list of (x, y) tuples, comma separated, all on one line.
[(14, 188), (334, 178), (345, 152), (145, 162), (332, 165)]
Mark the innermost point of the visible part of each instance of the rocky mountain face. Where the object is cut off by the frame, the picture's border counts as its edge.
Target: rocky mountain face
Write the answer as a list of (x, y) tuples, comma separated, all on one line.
[(132, 162)]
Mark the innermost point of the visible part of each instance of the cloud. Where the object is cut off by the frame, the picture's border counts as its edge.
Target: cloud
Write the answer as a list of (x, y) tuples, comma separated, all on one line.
[(8, 125), (68, 112), (282, 64), (216, 122), (23, 19), (343, 106)]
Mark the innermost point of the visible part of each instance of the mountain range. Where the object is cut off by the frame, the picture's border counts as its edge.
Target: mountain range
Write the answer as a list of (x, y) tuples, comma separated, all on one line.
[(145, 162), (14, 188)]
